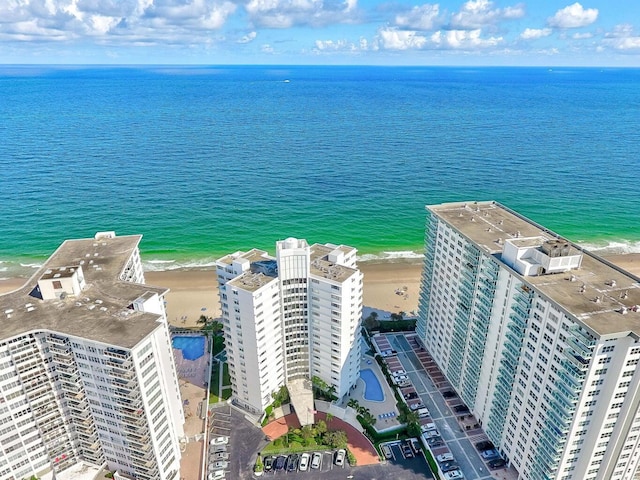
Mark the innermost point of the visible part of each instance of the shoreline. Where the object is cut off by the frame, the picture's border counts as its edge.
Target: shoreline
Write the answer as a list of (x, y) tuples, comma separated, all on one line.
[(389, 287)]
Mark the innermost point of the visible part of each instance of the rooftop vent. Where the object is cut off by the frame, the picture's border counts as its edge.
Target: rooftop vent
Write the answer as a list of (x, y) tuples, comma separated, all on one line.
[(583, 288), (624, 294), (623, 310), (597, 299), (572, 278)]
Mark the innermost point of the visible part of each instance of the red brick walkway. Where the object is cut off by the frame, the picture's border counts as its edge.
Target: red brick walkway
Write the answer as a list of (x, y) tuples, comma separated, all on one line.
[(359, 445)]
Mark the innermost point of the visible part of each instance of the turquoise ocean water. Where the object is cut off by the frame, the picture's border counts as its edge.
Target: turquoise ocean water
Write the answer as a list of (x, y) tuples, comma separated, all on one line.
[(204, 161)]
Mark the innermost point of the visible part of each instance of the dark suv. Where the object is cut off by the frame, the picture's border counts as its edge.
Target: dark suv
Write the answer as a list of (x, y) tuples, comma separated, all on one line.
[(482, 446)]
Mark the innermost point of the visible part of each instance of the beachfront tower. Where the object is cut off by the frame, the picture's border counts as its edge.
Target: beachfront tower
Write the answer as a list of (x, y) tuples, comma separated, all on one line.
[(540, 339), (87, 377), (290, 318)]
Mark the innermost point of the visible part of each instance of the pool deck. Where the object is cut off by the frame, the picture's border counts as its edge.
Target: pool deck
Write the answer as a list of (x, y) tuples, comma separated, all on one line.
[(386, 406), (192, 377), (193, 371)]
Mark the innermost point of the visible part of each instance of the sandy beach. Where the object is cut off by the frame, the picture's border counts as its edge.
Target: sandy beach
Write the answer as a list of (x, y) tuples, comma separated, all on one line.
[(390, 287)]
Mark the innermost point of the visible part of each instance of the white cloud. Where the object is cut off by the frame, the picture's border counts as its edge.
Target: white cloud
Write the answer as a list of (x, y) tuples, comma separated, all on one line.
[(289, 13), (114, 21), (476, 14), (394, 39), (534, 33), (463, 40), (423, 17), (468, 40), (582, 36), (573, 16), (248, 38), (623, 38), (266, 48), (343, 46)]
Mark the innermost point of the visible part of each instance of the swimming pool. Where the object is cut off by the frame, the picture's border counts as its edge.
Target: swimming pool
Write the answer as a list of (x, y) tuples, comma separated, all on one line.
[(192, 346), (372, 387)]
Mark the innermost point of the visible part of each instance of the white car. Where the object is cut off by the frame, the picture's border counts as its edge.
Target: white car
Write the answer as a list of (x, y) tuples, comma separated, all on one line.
[(399, 372), (453, 475), (340, 457), (315, 461), (445, 457), (220, 465), (217, 475), (304, 462), (219, 441)]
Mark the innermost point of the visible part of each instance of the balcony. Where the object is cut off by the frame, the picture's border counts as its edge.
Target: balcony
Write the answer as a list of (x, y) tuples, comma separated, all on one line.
[(57, 340), (122, 364), (64, 360), (118, 354), (124, 375), (131, 404), (60, 349)]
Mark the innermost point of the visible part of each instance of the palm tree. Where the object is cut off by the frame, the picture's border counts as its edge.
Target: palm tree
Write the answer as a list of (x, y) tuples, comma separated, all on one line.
[(329, 417), (353, 403)]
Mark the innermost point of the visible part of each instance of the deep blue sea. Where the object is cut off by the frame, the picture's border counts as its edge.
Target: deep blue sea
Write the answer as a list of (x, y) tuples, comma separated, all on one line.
[(204, 161)]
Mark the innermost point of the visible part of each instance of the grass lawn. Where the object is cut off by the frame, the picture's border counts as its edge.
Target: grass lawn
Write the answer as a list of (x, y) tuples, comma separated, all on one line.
[(226, 378), (218, 344)]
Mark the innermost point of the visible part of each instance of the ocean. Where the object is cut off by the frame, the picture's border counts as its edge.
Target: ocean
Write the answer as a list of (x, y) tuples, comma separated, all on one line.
[(204, 161)]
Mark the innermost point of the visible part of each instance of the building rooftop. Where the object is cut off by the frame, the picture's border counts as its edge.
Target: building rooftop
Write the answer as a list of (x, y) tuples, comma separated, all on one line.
[(251, 281), (101, 312), (600, 294), (322, 267), (253, 255)]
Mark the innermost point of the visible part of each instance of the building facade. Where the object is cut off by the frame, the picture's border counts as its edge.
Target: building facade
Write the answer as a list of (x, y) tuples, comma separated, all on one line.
[(289, 318), (87, 376), (540, 339)]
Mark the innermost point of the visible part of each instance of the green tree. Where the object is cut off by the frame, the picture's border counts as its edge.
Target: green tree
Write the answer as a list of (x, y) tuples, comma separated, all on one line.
[(369, 418), (336, 439), (321, 427), (372, 322), (329, 418), (307, 434), (353, 403), (280, 397)]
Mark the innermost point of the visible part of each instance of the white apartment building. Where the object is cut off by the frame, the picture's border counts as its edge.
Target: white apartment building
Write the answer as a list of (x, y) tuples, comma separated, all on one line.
[(540, 339), (290, 318), (87, 376)]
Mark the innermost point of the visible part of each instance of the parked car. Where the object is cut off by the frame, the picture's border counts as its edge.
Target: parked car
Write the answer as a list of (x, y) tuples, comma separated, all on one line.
[(428, 426), (445, 457), (449, 467), (268, 463), (315, 460), (292, 462), (449, 394), (386, 451), (482, 446), (304, 462), (497, 463), (415, 445), (220, 465), (219, 456), (280, 461), (340, 454), (406, 450), (416, 406), (435, 441), (423, 412), (218, 449), (410, 395), (453, 475), (217, 475), (431, 433), (461, 409), (399, 372), (489, 454), (219, 441)]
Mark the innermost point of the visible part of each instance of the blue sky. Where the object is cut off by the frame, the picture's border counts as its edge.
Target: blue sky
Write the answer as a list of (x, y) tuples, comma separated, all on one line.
[(368, 32)]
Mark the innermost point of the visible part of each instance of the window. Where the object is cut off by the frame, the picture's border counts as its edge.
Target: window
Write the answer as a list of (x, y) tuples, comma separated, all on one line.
[(57, 284)]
